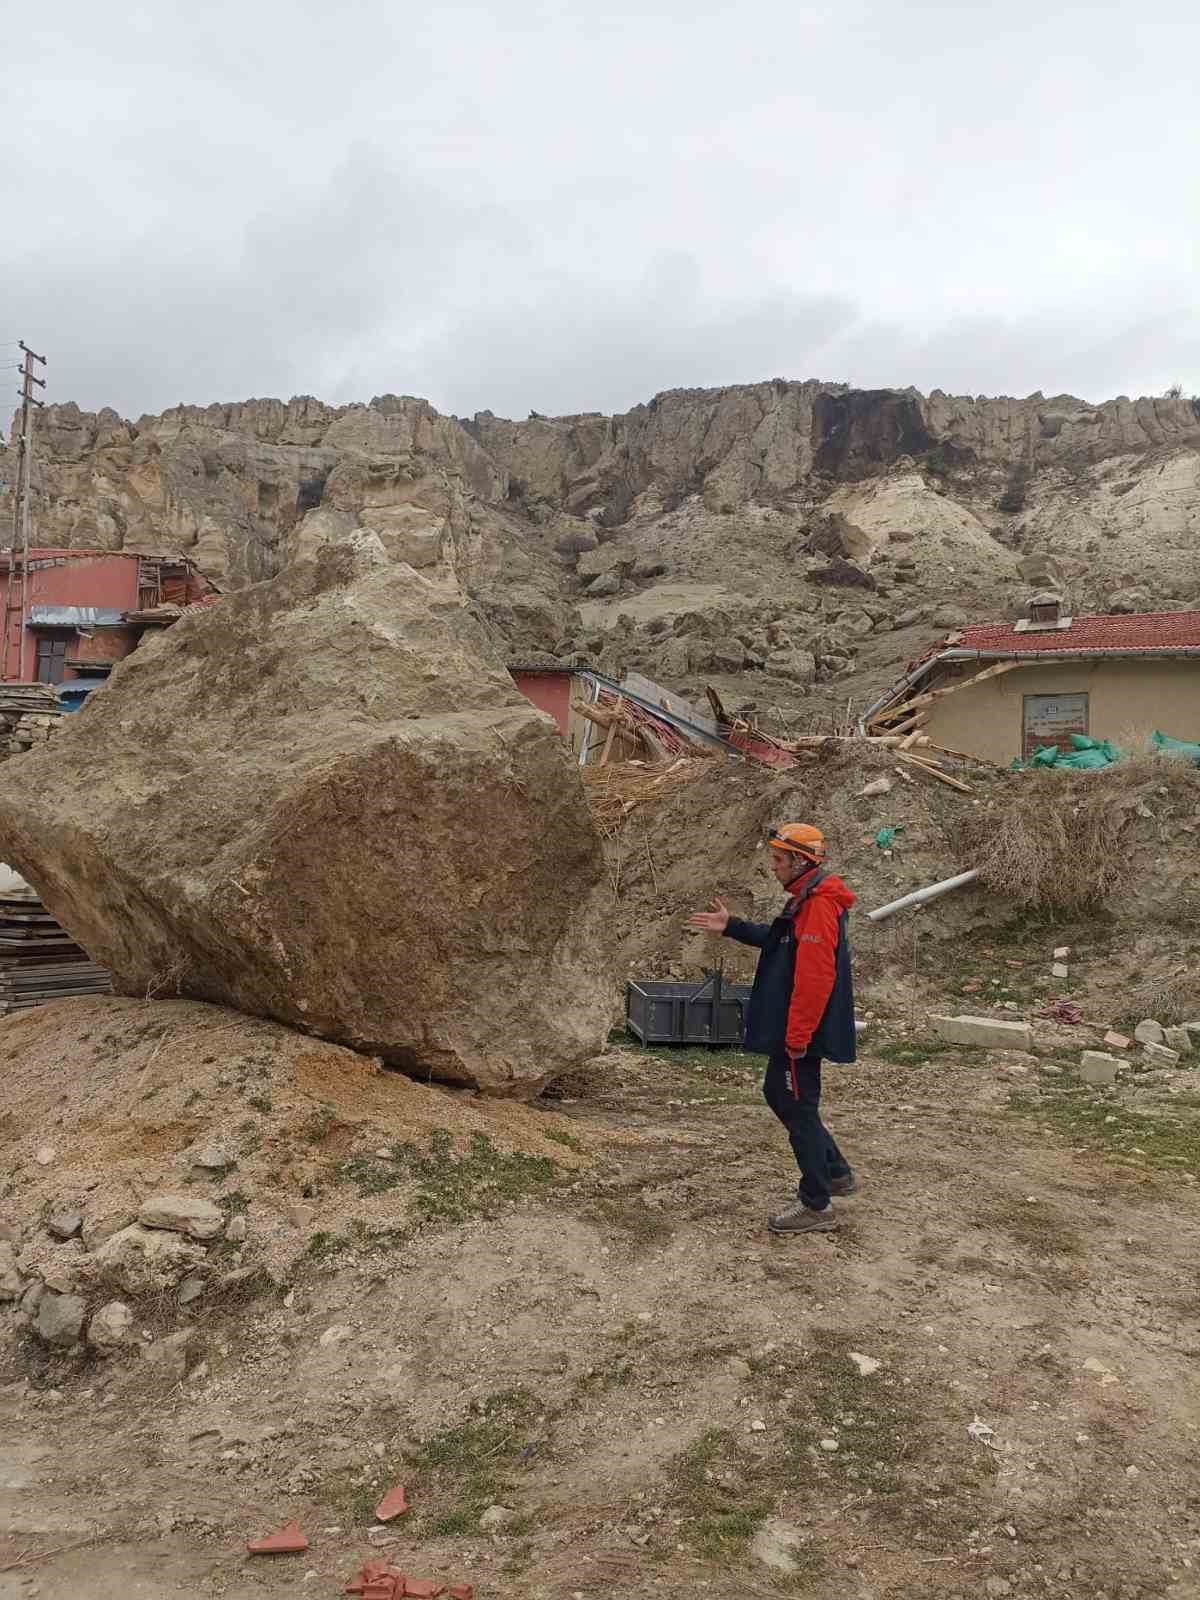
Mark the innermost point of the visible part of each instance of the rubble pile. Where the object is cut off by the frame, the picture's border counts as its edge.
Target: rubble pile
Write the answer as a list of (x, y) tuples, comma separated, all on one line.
[(29, 715), (325, 802), (175, 1154)]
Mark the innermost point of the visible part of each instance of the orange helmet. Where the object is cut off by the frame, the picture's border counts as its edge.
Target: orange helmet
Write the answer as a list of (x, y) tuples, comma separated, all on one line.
[(799, 839)]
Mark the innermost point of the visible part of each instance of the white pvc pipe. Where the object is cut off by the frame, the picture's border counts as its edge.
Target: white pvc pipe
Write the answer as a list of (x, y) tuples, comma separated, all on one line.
[(919, 896)]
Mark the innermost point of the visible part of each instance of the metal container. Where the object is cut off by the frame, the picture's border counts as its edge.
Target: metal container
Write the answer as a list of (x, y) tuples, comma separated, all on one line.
[(680, 1013)]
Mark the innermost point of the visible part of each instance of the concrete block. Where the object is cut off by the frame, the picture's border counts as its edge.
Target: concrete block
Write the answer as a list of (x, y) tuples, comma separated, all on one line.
[(1058, 970), (1178, 1039), (1096, 1067), (1162, 1055), (1148, 1032), (984, 1033)]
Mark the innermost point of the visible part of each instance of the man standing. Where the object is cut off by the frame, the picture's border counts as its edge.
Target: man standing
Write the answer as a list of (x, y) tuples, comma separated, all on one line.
[(801, 1011)]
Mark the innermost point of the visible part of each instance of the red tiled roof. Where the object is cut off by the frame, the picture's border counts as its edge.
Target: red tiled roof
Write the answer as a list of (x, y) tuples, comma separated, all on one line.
[(1150, 632)]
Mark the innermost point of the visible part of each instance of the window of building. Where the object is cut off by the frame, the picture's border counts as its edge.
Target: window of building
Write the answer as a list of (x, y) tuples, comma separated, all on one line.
[(1051, 719), (52, 658)]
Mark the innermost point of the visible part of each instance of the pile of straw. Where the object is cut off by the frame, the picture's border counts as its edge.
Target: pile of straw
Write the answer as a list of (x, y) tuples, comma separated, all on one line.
[(616, 790)]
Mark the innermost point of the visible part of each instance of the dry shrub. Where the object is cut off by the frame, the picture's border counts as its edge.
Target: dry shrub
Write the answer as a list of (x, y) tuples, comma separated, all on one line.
[(1048, 847), (1061, 842), (616, 790), (1168, 1000)]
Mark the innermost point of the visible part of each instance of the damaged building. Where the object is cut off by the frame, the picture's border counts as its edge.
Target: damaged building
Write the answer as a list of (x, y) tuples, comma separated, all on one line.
[(71, 615)]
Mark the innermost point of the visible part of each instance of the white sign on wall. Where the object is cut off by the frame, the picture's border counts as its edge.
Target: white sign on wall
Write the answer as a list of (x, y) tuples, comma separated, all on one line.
[(1052, 719)]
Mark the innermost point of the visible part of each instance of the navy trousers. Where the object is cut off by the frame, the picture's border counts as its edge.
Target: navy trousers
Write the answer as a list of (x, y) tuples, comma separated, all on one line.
[(796, 1101)]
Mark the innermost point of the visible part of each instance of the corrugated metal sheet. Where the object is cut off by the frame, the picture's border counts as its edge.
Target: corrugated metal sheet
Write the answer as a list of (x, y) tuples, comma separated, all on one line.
[(75, 617)]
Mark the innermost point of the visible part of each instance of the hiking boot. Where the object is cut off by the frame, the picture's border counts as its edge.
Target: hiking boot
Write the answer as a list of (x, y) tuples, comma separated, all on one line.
[(843, 1186), (798, 1218)]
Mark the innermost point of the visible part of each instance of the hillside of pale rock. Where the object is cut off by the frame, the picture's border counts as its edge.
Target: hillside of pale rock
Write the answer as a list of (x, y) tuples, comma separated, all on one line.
[(691, 537)]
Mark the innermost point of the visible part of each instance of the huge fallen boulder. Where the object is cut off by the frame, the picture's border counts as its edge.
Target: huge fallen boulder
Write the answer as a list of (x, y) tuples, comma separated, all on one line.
[(324, 801)]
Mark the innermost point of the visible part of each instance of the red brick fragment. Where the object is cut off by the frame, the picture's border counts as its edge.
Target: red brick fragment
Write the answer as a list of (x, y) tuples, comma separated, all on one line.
[(422, 1588), (392, 1504), (461, 1591), (385, 1589), (289, 1540)]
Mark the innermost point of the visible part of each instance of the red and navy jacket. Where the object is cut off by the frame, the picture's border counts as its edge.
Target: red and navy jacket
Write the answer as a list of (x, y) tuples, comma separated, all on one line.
[(802, 1002)]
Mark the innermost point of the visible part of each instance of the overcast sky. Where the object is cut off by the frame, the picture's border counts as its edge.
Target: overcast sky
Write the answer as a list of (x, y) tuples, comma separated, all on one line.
[(570, 206)]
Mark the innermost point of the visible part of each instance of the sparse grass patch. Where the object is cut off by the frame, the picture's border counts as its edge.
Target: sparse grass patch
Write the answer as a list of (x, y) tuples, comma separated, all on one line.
[(451, 1187), (645, 1228), (1170, 1142), (705, 1072), (352, 1493), (466, 1468), (325, 1246), (567, 1140), (916, 1052), (723, 1486), (1035, 1226)]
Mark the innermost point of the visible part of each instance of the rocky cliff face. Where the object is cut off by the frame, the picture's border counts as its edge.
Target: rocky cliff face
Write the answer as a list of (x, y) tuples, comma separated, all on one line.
[(703, 515)]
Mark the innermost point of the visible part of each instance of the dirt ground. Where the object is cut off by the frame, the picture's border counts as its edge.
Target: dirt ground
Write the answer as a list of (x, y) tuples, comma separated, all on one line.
[(660, 1393)]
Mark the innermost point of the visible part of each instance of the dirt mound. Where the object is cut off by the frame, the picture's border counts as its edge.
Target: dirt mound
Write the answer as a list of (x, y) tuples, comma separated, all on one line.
[(705, 837), (107, 1102), (325, 802)]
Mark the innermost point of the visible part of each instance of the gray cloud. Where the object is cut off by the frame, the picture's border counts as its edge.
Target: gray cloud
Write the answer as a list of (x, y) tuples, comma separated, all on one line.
[(566, 207)]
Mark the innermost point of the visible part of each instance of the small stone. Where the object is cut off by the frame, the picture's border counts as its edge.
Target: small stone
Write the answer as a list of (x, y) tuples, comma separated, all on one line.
[(829, 1445), (11, 1282), (182, 1213), (1047, 1069), (737, 1368), (1063, 951), (236, 1228), (1058, 970), (1148, 1032), (496, 1517), (335, 1335), (1178, 1039), (59, 1320), (111, 1326), (64, 1224), (213, 1158), (866, 1364), (776, 1545), (877, 786), (758, 1426), (171, 1354), (44, 1155), (190, 1289), (1116, 1041), (1132, 1472), (1161, 1053), (100, 1226), (1098, 1068)]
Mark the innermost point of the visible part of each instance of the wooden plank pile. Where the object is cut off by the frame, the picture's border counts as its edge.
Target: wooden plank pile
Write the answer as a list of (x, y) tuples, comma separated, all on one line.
[(39, 961), (29, 714), (904, 717)]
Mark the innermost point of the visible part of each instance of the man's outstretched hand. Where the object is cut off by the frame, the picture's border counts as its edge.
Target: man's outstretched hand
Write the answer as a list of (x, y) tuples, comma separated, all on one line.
[(714, 921)]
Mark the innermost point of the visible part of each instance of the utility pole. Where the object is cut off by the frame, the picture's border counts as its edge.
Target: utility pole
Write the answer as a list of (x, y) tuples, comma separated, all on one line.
[(17, 591)]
